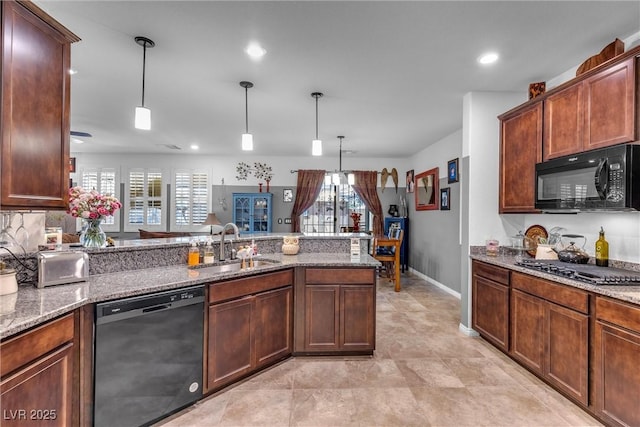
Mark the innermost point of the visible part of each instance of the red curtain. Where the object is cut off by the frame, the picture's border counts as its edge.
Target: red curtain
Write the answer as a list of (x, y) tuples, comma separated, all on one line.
[(366, 185), (307, 191)]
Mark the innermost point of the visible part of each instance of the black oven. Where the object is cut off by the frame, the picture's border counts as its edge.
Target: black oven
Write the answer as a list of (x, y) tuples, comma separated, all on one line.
[(604, 179)]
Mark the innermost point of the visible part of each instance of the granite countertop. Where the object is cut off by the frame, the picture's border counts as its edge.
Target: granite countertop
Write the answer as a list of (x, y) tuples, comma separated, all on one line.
[(31, 306), (623, 293)]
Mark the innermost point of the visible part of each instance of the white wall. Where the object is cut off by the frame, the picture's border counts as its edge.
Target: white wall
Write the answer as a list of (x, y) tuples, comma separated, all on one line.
[(481, 143)]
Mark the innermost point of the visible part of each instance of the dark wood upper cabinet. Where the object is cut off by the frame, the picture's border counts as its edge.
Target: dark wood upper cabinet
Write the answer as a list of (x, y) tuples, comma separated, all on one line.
[(596, 112), (35, 102), (563, 118), (610, 106), (520, 150)]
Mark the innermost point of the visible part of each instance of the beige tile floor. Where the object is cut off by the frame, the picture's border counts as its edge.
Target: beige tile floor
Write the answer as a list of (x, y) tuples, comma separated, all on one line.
[(424, 373)]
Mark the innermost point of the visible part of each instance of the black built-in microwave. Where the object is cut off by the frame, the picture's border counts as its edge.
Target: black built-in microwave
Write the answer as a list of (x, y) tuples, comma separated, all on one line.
[(597, 180)]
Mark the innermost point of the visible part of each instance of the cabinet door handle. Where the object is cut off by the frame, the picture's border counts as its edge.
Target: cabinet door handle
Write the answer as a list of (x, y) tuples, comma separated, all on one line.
[(601, 180)]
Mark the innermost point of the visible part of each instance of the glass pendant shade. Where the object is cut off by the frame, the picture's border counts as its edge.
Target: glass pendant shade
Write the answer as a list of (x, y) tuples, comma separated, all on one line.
[(351, 179), (143, 118), (335, 178), (327, 179), (247, 142), (316, 147)]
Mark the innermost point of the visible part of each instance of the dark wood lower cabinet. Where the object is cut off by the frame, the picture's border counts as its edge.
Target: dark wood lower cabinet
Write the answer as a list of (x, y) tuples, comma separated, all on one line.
[(527, 323), (38, 384), (491, 304), (335, 311), (617, 359), (230, 345), (567, 351), (549, 338), (274, 336), (249, 326), (322, 320), (357, 317)]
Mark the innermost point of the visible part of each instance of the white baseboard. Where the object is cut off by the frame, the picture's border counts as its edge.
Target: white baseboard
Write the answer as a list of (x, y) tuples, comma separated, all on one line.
[(467, 331), (435, 283)]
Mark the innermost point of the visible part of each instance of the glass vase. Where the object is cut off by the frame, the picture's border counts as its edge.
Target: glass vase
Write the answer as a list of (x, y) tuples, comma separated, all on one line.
[(92, 235)]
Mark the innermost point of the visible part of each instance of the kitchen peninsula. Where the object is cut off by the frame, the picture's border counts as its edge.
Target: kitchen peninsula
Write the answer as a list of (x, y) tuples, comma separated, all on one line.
[(289, 298)]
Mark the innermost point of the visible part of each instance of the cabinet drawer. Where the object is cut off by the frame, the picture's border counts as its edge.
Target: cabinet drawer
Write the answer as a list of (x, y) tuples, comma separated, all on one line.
[(560, 294), (621, 314), (249, 285), (334, 276), (29, 346), (491, 272)]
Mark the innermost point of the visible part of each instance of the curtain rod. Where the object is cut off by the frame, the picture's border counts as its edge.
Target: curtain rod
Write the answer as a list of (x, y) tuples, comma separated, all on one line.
[(333, 171)]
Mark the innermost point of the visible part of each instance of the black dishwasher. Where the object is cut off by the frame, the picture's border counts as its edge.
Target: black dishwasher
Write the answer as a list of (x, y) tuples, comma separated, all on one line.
[(148, 356)]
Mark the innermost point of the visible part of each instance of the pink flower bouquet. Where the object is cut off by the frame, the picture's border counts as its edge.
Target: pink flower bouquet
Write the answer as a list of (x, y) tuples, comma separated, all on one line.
[(91, 204)]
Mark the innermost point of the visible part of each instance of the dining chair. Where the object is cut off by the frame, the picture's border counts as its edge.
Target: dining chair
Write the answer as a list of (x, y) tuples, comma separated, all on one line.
[(386, 249)]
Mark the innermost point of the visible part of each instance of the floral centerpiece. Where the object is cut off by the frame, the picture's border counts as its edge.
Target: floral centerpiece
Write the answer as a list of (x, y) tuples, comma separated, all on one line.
[(92, 207), (355, 217)]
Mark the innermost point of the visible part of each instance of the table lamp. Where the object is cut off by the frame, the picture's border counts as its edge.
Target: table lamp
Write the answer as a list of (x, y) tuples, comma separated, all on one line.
[(211, 220)]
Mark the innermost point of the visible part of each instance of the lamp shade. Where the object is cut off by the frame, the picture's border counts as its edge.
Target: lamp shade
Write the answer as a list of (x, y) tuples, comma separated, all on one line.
[(143, 118), (247, 142), (316, 147), (212, 219)]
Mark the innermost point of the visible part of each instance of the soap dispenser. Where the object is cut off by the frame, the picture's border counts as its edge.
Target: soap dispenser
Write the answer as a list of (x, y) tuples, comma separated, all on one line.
[(194, 255), (602, 250), (208, 254)]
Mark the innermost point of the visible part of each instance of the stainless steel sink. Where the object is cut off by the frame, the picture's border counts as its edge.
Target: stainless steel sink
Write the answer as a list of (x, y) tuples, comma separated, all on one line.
[(236, 266)]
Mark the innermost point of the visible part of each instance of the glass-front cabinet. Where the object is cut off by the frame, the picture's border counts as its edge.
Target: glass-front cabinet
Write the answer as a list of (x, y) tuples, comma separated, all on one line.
[(252, 212)]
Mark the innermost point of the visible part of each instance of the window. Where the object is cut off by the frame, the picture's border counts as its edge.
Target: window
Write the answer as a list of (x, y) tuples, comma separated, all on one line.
[(334, 205), (145, 206), (103, 180), (191, 200)]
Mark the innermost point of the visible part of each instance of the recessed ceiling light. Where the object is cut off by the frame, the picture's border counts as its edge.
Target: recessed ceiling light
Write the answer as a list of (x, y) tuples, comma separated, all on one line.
[(255, 51), (77, 141), (194, 146), (488, 58)]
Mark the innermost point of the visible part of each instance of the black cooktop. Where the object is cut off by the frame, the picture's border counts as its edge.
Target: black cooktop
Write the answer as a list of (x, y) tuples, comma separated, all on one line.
[(587, 273)]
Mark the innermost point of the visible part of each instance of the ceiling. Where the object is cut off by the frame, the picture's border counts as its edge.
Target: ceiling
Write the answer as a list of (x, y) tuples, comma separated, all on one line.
[(393, 73)]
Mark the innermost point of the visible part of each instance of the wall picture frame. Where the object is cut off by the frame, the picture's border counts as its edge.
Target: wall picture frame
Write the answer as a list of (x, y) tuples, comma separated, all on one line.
[(287, 195), (72, 164), (445, 199), (426, 190), (452, 171), (410, 181)]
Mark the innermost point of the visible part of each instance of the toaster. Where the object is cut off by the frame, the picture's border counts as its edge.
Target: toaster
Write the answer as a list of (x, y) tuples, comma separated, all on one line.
[(60, 267)]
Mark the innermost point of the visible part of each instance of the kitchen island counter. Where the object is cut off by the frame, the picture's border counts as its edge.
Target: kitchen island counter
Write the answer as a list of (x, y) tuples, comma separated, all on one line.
[(34, 306), (623, 293)]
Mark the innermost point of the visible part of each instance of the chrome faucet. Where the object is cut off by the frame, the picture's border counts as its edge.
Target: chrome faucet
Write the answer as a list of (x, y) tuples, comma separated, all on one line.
[(224, 231)]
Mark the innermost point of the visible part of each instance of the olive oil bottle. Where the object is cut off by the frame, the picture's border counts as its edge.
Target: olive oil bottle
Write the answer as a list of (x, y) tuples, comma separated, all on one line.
[(602, 250)]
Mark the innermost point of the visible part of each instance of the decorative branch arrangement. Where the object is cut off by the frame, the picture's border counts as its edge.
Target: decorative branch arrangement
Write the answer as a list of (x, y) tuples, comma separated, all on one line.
[(260, 170)]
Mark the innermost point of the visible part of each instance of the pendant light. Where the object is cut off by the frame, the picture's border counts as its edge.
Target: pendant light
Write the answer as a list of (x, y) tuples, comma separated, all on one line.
[(316, 144), (337, 176), (247, 138), (143, 114)]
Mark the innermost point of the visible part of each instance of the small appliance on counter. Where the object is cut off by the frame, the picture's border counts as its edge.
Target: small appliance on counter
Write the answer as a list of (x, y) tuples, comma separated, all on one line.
[(62, 267), (8, 282)]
